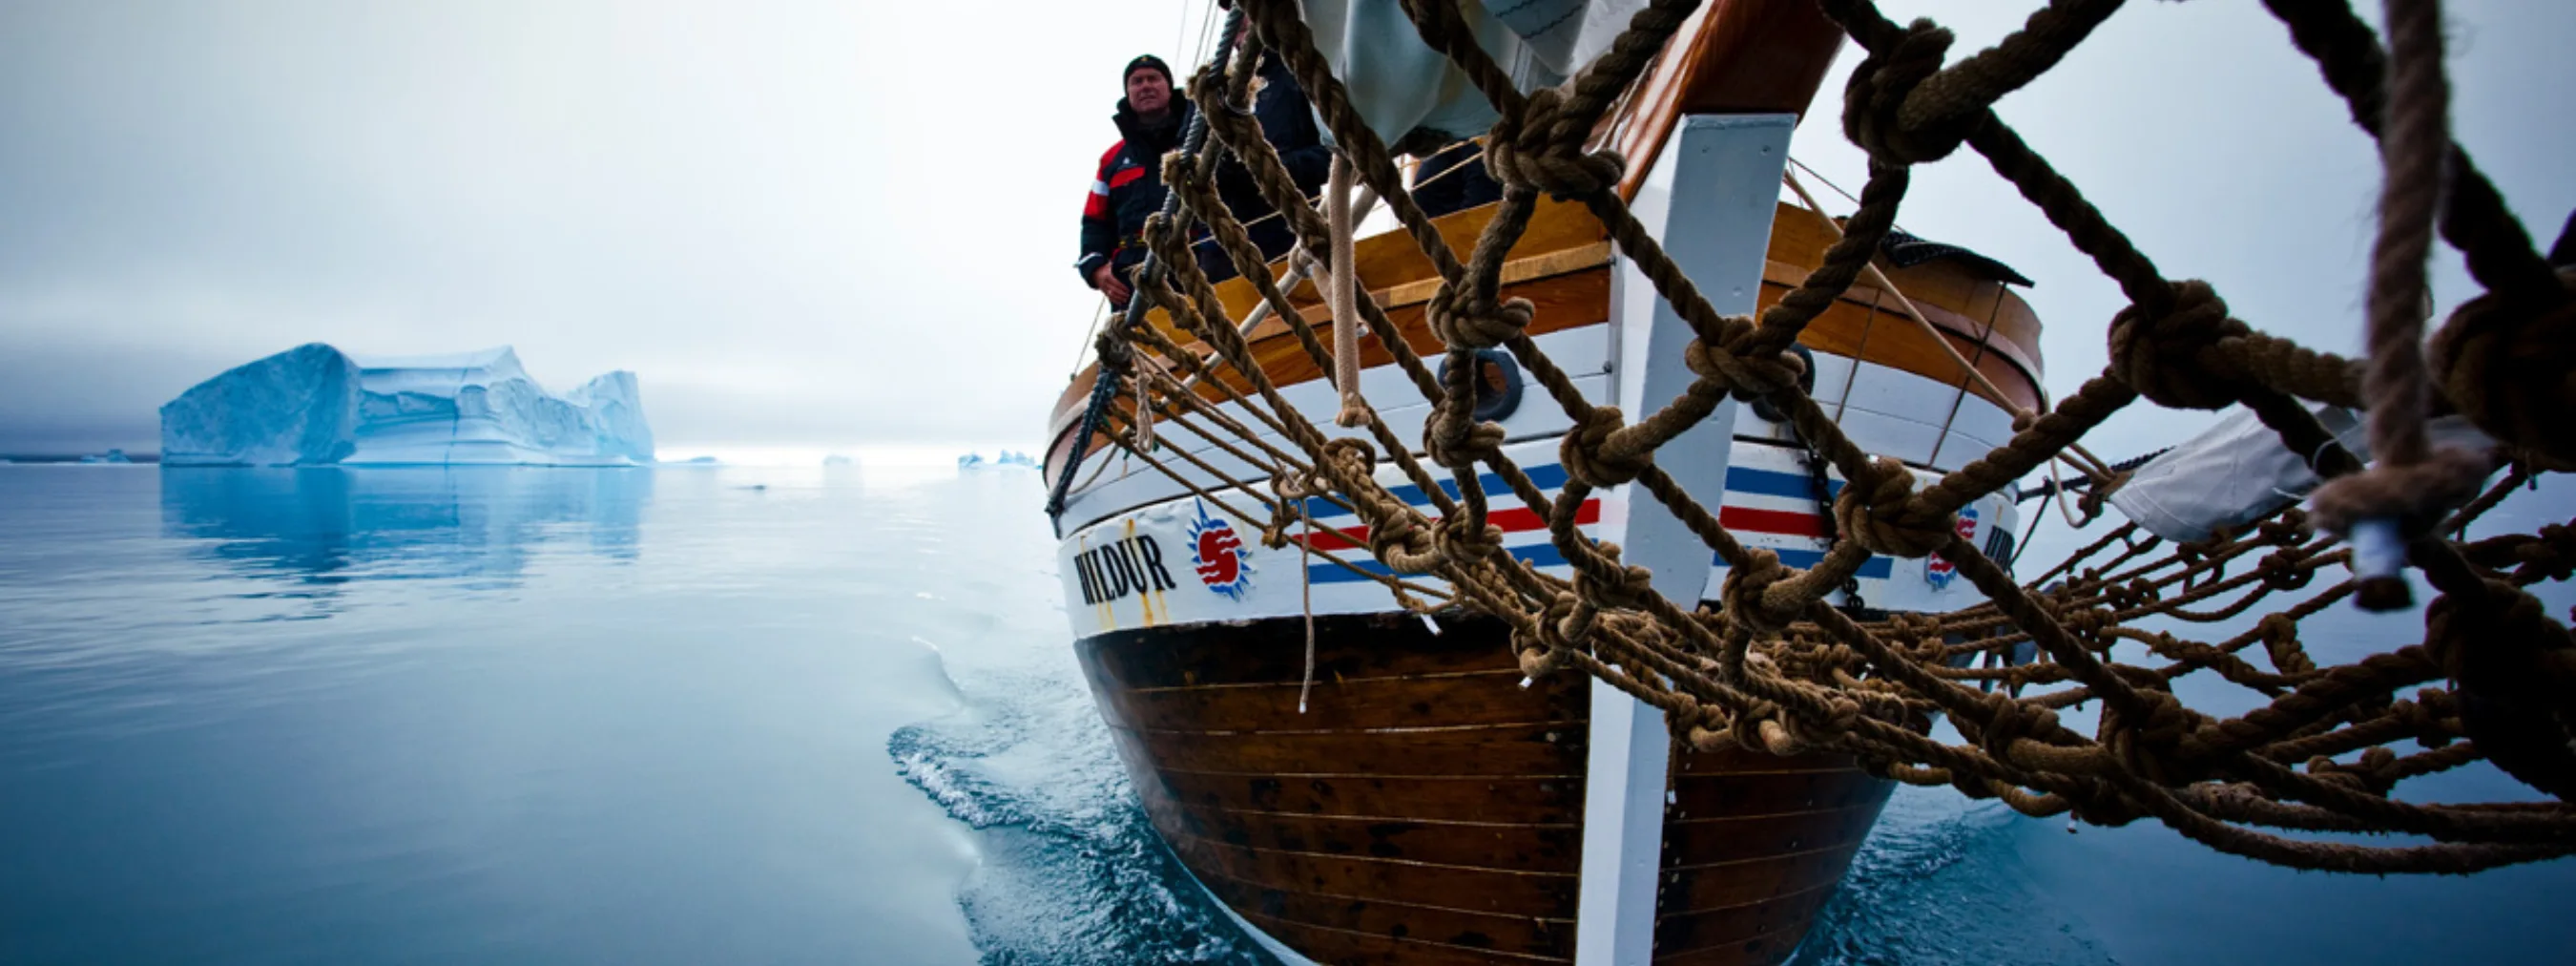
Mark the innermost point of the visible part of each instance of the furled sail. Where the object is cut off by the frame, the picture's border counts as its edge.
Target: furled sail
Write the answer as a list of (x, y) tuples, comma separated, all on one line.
[(1400, 85), (2238, 472)]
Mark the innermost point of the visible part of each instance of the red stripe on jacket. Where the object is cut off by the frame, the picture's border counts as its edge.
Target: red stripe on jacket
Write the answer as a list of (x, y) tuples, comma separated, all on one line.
[(1096, 203)]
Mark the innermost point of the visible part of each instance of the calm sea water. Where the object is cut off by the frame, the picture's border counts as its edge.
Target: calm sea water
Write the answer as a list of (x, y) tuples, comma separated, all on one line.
[(822, 715)]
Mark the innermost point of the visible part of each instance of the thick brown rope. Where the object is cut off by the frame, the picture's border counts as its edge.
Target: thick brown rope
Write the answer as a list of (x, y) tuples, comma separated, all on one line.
[(2413, 487), (1774, 668)]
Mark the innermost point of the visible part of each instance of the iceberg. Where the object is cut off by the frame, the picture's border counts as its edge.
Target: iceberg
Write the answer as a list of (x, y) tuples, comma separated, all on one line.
[(314, 404), (973, 460)]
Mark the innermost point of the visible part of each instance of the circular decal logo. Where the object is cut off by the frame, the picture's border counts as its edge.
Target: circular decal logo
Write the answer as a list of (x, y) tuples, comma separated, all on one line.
[(1223, 563), (1939, 572)]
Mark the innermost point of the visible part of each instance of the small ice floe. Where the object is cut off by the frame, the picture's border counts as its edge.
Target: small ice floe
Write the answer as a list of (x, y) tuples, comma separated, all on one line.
[(1007, 458)]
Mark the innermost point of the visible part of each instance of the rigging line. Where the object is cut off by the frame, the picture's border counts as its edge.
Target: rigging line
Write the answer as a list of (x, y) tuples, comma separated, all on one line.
[(2080, 486), (2057, 497), (1193, 139), (1098, 312), (1961, 400), (1207, 19), (2026, 537), (1368, 209), (1880, 279), (1829, 182)]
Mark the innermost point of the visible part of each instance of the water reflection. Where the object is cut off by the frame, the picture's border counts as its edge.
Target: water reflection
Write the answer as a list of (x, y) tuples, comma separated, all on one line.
[(323, 526)]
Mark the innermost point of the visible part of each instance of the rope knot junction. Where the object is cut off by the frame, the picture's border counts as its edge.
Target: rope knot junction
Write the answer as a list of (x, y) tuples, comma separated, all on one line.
[(1464, 321), (1590, 455), (1744, 596), (2510, 366), (1731, 362), (2174, 357), (1883, 517), (1543, 149), (1774, 670), (1881, 110)]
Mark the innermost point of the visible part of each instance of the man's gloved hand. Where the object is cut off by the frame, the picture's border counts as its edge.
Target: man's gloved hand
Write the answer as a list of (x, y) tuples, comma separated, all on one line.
[(1106, 279)]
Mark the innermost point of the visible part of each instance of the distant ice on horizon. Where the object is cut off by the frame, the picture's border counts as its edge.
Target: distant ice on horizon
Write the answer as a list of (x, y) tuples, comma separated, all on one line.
[(974, 460), (315, 404)]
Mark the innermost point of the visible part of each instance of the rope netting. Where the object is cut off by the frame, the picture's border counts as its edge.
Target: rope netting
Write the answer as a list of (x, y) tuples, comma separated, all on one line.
[(1775, 667)]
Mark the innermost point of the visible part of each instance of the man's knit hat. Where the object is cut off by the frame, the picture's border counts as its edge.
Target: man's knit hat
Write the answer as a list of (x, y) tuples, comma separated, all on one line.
[(1146, 61)]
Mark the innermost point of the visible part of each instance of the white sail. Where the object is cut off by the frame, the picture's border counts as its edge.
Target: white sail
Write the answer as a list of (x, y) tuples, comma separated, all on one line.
[(1399, 84)]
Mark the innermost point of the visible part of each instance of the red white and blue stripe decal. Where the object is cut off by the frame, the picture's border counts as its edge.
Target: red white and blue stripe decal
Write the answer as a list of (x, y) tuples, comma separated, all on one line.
[(1765, 508)]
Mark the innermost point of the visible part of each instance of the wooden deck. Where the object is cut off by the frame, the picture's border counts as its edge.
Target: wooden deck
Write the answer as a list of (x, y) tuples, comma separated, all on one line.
[(1563, 267)]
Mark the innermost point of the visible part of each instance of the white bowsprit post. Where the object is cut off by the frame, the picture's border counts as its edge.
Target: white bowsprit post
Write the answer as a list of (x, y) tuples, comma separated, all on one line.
[(1709, 199)]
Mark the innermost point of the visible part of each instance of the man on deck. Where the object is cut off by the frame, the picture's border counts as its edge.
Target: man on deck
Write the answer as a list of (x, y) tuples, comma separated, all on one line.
[(1128, 187)]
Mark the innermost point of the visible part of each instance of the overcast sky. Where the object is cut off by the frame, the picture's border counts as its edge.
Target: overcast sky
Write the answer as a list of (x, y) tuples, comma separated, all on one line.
[(832, 224)]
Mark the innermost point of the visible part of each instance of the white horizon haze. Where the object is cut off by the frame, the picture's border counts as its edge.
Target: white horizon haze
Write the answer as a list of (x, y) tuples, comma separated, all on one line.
[(822, 226)]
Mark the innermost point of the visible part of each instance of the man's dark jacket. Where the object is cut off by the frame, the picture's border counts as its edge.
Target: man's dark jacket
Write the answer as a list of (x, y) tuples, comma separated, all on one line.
[(1129, 184)]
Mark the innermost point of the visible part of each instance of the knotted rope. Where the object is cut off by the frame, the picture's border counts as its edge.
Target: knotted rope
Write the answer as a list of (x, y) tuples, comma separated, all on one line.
[(1773, 668)]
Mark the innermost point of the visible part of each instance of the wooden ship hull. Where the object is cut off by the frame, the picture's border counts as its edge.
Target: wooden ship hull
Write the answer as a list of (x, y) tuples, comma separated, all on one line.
[(1423, 802), (1428, 808)]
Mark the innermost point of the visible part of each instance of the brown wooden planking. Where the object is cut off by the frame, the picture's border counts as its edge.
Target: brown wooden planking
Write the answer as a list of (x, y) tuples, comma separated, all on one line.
[(1274, 651), (1850, 327), (1534, 800), (1359, 877), (1732, 57), (1767, 949), (1753, 845), (1343, 862), (1693, 842), (1711, 796), (1731, 927), (1798, 241), (1890, 339), (1525, 847), (1562, 301), (1391, 259), (1755, 880), (1568, 301), (1960, 303), (1497, 752), (1411, 701), (1739, 759), (1333, 947), (1551, 938), (1753, 812)]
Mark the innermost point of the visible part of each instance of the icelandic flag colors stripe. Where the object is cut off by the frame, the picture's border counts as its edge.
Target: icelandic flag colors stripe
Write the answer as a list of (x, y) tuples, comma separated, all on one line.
[(1878, 568), (1549, 477), (1546, 555), (1784, 522), (1514, 520), (1342, 534), (1746, 479), (1739, 479), (1538, 554)]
